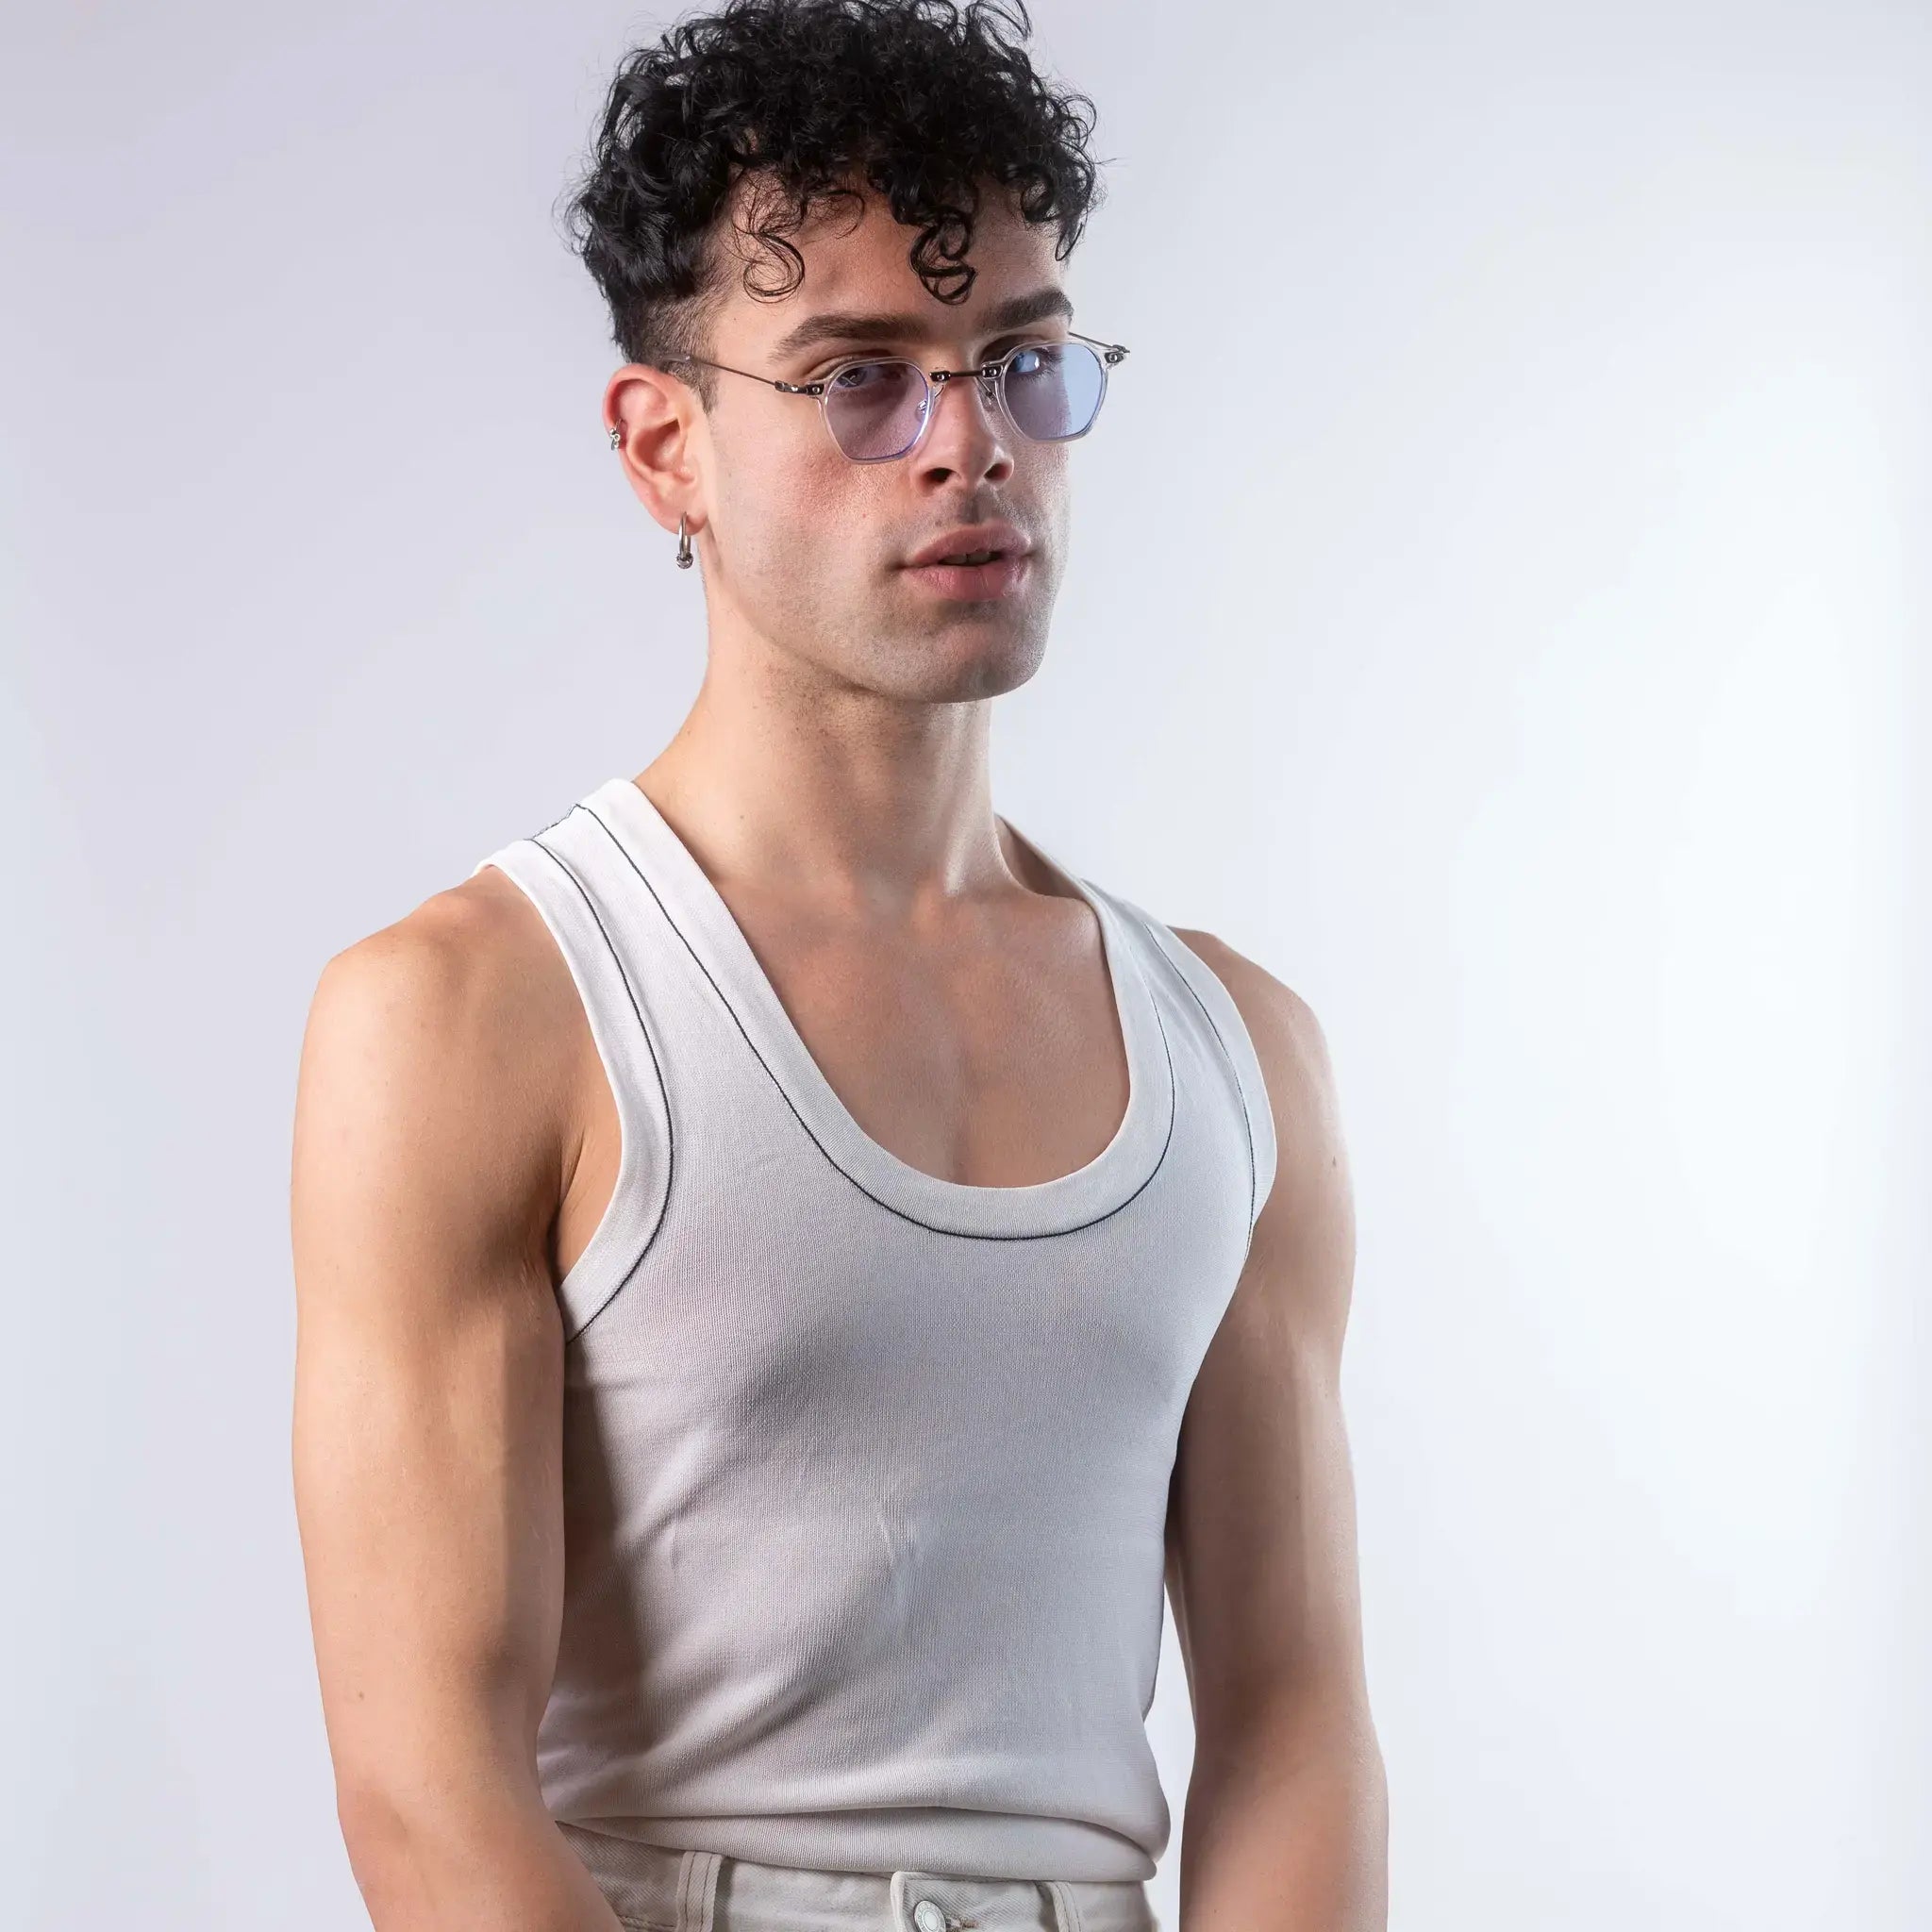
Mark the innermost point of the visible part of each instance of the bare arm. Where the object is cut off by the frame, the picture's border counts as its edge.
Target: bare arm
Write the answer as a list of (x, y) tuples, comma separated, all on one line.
[(1286, 1823), (429, 1132)]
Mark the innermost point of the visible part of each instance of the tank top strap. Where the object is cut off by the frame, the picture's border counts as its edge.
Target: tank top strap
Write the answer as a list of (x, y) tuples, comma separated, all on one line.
[(556, 871), (1202, 987)]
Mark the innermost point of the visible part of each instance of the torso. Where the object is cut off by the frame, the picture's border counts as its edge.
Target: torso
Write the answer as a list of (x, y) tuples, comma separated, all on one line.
[(879, 1318)]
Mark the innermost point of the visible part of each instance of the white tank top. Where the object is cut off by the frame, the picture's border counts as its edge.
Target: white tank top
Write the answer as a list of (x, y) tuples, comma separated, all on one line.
[(866, 1470)]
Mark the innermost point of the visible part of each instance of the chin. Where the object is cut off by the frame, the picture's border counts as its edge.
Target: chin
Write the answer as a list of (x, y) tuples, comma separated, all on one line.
[(965, 662)]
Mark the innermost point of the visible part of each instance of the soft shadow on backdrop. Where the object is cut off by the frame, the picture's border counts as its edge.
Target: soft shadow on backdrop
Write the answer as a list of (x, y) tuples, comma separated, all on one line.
[(1498, 607)]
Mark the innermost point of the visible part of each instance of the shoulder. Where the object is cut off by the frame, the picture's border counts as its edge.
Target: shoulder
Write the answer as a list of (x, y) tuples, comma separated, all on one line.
[(1291, 1049), (1288, 1037), (447, 1038), (470, 962), (1304, 1244)]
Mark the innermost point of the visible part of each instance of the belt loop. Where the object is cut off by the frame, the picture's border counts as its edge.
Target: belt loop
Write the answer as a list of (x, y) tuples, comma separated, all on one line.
[(697, 1890), (1066, 1910)]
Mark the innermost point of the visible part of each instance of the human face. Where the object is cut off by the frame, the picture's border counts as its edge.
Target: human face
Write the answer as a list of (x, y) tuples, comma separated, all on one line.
[(809, 549)]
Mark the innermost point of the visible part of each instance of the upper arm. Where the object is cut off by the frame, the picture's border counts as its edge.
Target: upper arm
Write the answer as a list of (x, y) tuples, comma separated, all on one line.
[(428, 1368), (1261, 1536)]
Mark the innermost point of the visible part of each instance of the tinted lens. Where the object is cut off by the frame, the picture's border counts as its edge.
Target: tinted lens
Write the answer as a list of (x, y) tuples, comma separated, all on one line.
[(1054, 389), (876, 409)]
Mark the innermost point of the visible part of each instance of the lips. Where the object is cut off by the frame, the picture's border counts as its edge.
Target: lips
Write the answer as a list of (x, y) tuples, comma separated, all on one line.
[(978, 583), (971, 541)]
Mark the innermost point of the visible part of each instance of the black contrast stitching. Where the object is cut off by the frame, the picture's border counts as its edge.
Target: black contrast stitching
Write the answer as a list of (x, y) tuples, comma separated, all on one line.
[(964, 1234)]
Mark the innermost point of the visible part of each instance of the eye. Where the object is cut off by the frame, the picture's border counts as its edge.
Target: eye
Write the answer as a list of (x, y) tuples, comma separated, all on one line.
[(862, 374)]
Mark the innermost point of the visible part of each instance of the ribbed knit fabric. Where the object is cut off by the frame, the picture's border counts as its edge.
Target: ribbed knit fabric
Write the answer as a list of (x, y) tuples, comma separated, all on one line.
[(866, 1470)]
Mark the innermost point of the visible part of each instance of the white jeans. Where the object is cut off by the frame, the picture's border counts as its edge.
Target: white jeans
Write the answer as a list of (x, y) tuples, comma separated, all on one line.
[(660, 1889)]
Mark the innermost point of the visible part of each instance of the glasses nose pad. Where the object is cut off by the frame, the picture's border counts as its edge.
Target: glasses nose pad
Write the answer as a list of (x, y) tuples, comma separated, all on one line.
[(928, 409)]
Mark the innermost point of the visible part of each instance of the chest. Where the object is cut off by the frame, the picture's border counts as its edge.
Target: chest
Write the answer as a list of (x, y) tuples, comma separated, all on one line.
[(799, 1280), (985, 1058)]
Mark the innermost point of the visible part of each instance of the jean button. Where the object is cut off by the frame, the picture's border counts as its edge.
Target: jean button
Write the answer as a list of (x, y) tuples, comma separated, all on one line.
[(928, 1916)]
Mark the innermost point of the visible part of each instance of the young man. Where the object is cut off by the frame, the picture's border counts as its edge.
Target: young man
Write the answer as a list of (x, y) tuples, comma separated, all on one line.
[(786, 1271)]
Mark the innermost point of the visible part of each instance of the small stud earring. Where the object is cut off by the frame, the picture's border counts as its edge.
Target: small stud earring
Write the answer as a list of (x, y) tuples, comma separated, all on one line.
[(684, 558), (616, 433)]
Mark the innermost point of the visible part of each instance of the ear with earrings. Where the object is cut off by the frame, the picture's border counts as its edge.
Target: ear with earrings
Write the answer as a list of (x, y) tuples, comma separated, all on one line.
[(684, 559)]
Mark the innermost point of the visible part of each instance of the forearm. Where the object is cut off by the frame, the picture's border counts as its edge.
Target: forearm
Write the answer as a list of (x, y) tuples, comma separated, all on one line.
[(1287, 1834), (474, 1864)]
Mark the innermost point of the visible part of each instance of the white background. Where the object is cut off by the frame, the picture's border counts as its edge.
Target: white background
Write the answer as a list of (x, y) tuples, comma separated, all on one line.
[(1497, 605)]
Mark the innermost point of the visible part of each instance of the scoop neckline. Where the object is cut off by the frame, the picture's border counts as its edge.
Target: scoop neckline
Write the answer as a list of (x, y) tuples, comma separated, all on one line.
[(698, 912)]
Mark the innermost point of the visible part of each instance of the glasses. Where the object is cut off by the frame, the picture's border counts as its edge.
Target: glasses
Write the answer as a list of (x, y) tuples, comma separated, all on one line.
[(878, 407)]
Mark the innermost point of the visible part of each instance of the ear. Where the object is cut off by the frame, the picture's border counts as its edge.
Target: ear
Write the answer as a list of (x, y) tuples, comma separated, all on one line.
[(660, 426)]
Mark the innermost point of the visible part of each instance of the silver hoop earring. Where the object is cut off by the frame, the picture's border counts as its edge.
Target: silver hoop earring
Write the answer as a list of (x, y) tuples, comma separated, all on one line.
[(683, 545)]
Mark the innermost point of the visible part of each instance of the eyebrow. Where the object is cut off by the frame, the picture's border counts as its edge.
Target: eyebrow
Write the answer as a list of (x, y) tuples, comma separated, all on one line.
[(852, 325)]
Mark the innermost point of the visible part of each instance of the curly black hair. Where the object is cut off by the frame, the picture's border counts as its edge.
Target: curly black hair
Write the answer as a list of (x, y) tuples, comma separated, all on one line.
[(918, 100)]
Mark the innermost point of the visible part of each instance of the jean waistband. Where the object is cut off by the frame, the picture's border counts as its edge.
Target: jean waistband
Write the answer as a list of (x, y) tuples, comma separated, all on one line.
[(662, 1888)]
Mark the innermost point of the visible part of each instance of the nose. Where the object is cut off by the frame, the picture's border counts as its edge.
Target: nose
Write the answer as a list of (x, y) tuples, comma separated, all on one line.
[(966, 436)]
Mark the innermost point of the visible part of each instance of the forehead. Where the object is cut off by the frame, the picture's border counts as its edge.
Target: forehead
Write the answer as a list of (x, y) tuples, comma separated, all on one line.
[(857, 282)]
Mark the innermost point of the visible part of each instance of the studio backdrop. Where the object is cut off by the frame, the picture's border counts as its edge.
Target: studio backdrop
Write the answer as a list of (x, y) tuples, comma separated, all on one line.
[(1497, 605)]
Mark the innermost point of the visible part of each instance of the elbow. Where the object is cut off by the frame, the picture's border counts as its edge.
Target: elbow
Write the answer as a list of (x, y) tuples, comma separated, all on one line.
[(376, 1835), (456, 1848), (1270, 1740)]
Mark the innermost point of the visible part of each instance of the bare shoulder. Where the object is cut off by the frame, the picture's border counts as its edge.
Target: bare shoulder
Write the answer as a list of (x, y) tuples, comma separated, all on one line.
[(438, 1073), (1288, 1040), (1304, 1244), (470, 966)]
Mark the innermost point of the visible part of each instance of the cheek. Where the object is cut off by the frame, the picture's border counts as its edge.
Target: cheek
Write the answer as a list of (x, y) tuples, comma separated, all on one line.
[(804, 516)]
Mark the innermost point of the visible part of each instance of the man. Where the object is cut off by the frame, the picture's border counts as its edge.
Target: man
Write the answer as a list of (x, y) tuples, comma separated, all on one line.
[(785, 1269)]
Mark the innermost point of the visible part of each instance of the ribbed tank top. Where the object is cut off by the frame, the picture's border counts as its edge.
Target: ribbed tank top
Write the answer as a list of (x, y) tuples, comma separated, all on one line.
[(866, 1470)]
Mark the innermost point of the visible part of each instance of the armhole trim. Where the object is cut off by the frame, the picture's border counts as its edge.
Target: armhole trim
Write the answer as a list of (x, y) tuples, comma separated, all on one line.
[(635, 1211), (1231, 1032)]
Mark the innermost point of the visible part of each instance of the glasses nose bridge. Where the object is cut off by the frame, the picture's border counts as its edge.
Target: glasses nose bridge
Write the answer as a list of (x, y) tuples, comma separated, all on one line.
[(986, 379)]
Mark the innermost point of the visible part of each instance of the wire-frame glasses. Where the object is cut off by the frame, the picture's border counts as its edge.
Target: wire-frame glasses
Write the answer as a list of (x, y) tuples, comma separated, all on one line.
[(878, 407)]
